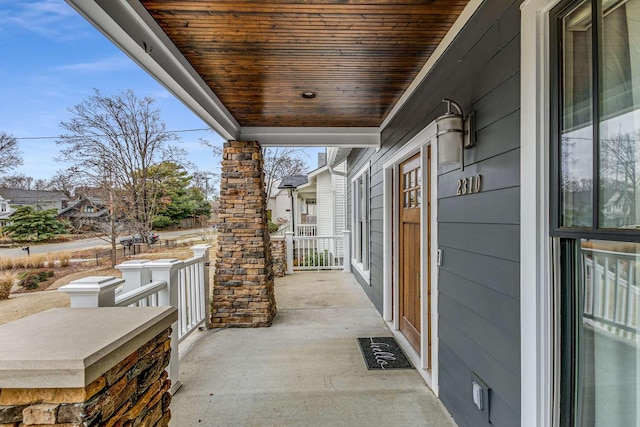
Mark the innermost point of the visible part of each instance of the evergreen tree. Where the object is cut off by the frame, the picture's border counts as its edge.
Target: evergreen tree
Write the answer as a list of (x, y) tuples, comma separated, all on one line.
[(29, 224)]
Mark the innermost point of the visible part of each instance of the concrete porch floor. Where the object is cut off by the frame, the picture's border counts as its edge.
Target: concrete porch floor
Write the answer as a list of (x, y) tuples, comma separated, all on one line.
[(305, 370)]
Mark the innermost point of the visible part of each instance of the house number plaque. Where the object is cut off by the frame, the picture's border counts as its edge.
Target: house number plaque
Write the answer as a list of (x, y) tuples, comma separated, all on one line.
[(469, 185)]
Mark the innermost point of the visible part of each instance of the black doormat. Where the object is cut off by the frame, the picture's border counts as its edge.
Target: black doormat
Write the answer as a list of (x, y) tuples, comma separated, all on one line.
[(383, 353)]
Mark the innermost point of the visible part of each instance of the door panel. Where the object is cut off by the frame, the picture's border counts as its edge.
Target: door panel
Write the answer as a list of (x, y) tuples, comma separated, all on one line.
[(409, 250)]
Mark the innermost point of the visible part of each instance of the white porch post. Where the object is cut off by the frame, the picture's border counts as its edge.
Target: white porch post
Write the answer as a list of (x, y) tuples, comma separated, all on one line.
[(347, 250), (135, 274), (167, 270), (93, 291), (289, 242)]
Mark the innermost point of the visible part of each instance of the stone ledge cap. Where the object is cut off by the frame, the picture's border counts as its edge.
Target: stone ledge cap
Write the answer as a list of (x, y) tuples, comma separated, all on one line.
[(71, 347)]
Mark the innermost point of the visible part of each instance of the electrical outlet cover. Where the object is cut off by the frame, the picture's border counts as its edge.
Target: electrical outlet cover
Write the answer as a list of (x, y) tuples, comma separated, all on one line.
[(480, 394)]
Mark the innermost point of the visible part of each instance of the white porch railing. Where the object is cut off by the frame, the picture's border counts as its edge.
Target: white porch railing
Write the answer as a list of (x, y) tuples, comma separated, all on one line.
[(166, 282), (611, 295), (318, 252), (307, 230)]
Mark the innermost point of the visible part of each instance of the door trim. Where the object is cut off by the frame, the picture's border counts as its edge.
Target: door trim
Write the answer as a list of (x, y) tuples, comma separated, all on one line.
[(536, 298), (418, 143)]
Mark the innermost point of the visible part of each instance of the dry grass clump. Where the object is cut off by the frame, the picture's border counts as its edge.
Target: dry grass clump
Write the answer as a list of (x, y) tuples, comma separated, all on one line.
[(7, 280), (36, 261), (64, 259)]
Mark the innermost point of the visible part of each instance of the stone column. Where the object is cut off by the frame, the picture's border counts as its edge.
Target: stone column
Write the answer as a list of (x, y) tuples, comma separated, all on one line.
[(243, 294)]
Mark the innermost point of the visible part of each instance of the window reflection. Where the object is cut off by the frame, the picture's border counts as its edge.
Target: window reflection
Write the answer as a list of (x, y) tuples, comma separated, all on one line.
[(619, 125), (608, 345), (576, 148)]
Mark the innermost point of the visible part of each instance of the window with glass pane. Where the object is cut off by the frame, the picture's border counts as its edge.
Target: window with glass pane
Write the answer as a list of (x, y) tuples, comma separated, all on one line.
[(576, 135), (615, 139), (361, 220), (619, 115), (608, 352), (597, 157)]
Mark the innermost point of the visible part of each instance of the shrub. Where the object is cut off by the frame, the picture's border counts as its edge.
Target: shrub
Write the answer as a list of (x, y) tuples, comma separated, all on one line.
[(6, 283), (272, 227), (316, 259), (32, 279)]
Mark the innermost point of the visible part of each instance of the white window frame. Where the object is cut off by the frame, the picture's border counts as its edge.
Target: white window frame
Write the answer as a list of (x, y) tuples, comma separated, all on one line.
[(539, 395), (360, 247)]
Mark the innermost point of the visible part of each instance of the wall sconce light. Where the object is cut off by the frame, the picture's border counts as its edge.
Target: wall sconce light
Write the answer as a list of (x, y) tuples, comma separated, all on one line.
[(455, 133)]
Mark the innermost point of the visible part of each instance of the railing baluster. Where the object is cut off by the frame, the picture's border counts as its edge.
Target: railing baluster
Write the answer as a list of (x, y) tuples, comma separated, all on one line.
[(606, 289), (616, 285), (627, 314), (318, 252), (182, 302)]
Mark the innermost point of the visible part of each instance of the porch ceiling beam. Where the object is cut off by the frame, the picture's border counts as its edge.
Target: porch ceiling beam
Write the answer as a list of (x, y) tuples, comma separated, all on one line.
[(130, 27), (313, 137)]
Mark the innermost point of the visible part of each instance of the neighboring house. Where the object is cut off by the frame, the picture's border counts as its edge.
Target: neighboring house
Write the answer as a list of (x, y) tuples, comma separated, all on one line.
[(5, 211), (516, 307), (279, 204), (317, 201), (279, 201), (38, 199), (286, 204), (86, 214), (322, 202)]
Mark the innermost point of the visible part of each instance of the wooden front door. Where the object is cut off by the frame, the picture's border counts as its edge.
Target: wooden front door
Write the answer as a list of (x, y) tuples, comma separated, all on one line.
[(409, 250)]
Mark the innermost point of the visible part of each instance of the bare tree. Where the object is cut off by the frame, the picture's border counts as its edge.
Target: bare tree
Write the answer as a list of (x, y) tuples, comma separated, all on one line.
[(112, 142), (19, 181), (64, 181), (10, 156), (40, 184), (206, 182), (280, 162), (619, 158)]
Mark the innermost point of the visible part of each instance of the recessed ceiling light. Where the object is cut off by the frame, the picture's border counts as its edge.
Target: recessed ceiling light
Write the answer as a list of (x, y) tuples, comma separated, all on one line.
[(309, 95)]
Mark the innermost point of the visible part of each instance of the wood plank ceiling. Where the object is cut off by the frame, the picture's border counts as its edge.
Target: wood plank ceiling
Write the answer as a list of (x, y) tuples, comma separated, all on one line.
[(259, 57)]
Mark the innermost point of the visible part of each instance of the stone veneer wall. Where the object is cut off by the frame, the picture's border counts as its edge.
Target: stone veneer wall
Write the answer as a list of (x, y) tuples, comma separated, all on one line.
[(279, 256), (135, 392), (243, 294)]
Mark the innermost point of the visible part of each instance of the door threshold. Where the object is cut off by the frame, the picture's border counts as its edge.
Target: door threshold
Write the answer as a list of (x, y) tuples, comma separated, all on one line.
[(412, 354)]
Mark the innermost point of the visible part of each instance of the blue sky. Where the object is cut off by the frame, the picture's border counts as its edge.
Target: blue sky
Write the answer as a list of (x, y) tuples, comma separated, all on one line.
[(51, 59)]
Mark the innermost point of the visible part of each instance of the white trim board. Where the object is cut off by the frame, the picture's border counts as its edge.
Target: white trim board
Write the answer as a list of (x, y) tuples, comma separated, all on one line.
[(536, 346), (418, 144), (355, 265)]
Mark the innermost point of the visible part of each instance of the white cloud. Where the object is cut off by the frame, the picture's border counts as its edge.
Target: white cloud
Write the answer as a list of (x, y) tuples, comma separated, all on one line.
[(49, 18), (100, 65)]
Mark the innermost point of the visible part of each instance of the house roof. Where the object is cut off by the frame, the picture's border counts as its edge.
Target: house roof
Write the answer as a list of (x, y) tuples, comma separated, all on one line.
[(293, 181), (73, 204), (31, 197), (243, 67)]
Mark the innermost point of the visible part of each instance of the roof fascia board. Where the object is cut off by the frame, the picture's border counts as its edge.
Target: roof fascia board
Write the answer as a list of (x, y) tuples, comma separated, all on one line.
[(130, 27), (318, 171), (453, 32), (306, 186), (337, 155), (313, 136)]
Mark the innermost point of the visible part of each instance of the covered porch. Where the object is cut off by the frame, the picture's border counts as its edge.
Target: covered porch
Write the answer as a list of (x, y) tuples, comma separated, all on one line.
[(306, 369)]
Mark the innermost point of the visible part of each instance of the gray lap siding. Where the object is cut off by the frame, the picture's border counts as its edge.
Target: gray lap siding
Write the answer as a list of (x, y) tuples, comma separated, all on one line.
[(479, 307)]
